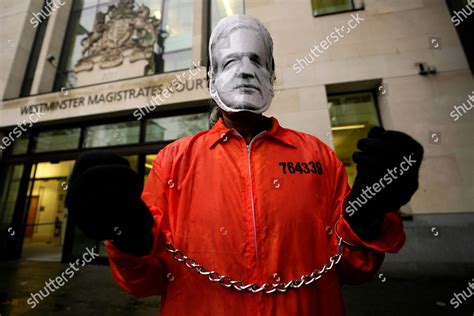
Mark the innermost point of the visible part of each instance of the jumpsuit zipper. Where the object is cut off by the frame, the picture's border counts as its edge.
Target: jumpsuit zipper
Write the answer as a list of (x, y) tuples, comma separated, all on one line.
[(249, 147), (253, 206)]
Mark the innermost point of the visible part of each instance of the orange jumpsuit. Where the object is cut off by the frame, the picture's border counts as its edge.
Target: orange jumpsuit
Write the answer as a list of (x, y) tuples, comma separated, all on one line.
[(263, 212)]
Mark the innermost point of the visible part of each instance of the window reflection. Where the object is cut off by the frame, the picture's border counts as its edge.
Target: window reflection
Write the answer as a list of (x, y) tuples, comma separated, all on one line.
[(112, 134), (63, 139), (10, 185), (174, 45), (20, 146), (171, 128), (352, 116), (223, 8)]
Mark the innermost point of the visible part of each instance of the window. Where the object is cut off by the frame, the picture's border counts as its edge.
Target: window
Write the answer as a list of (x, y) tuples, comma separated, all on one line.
[(10, 185), (461, 10), (174, 127), (112, 134), (324, 7), (352, 115), (222, 8), (172, 52), (20, 146), (175, 48), (162, 129), (64, 139)]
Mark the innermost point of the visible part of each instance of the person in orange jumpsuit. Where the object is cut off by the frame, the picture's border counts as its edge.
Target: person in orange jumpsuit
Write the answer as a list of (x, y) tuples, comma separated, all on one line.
[(248, 217)]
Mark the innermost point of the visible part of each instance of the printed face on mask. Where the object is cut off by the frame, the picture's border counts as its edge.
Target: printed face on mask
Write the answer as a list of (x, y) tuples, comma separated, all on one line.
[(242, 81)]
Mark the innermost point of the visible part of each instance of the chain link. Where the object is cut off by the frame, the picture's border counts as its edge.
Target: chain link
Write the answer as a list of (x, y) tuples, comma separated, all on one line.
[(267, 288)]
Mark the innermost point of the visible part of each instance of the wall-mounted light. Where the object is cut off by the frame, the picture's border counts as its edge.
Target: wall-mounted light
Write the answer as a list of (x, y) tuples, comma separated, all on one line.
[(50, 58), (339, 128), (425, 70)]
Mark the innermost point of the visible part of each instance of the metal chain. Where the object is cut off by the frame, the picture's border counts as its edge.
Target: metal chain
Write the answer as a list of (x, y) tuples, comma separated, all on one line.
[(267, 288)]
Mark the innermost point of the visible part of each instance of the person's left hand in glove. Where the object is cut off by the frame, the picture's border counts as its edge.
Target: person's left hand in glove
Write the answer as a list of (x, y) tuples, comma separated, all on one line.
[(387, 177)]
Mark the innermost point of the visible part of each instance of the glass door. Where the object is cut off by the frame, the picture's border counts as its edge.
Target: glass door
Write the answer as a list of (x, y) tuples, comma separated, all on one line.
[(46, 216), (10, 184)]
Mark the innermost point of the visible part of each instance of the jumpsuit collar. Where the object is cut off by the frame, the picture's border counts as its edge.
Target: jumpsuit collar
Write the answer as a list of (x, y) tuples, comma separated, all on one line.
[(219, 132)]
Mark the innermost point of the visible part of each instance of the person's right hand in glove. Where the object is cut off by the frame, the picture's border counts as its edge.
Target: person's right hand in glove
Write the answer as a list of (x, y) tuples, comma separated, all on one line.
[(104, 201)]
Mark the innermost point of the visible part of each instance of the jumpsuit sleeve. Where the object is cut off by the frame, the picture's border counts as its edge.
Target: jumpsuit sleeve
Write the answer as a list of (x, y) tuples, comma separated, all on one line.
[(361, 259), (145, 276)]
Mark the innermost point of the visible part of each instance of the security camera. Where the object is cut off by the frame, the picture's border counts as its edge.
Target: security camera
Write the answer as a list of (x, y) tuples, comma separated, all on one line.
[(50, 58)]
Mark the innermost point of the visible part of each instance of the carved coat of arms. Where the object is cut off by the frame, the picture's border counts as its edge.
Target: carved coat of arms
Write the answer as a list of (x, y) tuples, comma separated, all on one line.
[(124, 31)]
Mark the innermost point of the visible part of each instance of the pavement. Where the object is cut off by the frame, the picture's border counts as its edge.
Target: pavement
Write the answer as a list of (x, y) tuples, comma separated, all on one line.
[(436, 263), (91, 291)]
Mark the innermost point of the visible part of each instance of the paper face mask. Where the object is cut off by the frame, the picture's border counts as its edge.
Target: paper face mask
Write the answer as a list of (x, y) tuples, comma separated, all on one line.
[(242, 80)]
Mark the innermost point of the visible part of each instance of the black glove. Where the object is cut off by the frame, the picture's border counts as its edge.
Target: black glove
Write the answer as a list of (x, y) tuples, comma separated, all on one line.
[(387, 177), (104, 201)]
